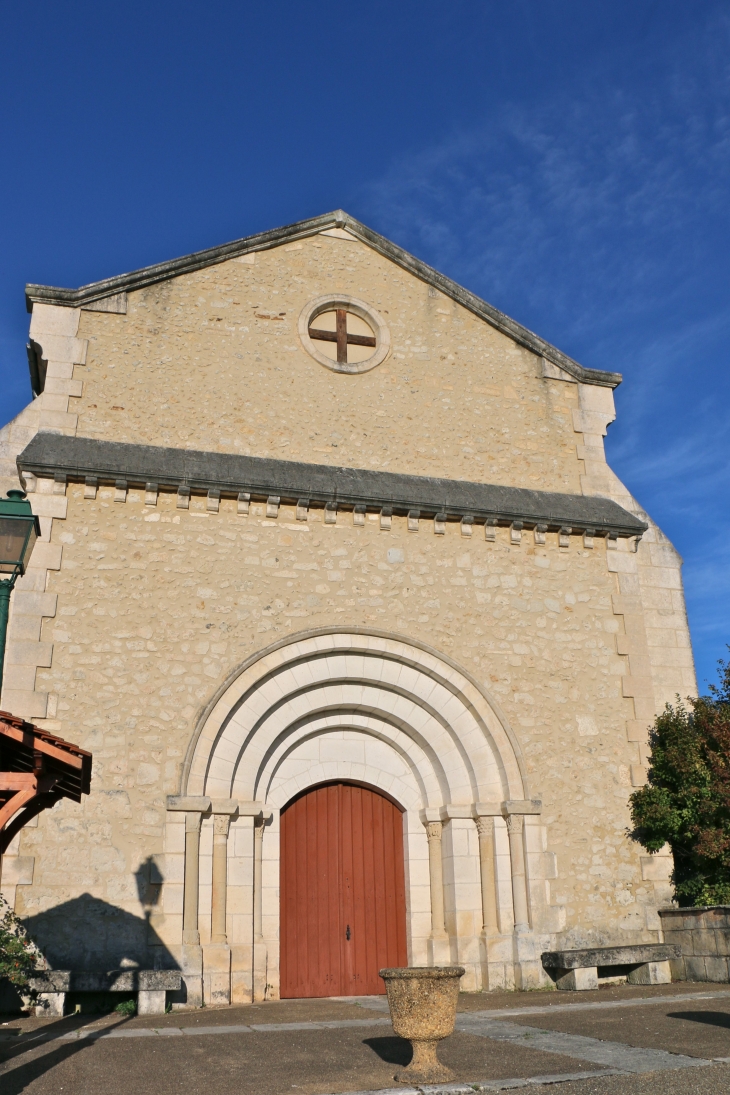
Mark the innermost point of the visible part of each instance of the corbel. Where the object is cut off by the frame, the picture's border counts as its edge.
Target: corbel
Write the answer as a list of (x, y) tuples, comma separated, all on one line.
[(386, 518), (611, 541), (272, 506), (413, 517), (330, 513), (588, 537), (59, 482), (213, 501), (564, 536), (467, 524), (490, 529), (358, 515), (91, 484), (302, 509), (244, 503), (439, 524), (515, 532), (183, 497), (120, 490), (150, 494), (540, 531)]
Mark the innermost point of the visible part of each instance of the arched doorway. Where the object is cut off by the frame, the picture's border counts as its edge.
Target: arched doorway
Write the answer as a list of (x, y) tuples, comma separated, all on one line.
[(343, 905)]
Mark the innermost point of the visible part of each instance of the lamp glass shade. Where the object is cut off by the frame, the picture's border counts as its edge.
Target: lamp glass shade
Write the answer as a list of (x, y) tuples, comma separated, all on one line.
[(18, 533)]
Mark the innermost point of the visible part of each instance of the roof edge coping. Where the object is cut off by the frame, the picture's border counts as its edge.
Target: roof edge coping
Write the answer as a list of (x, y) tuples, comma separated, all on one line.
[(262, 241)]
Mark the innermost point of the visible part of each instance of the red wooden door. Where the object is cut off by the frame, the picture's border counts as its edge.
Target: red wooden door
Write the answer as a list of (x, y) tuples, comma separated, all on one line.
[(343, 900)]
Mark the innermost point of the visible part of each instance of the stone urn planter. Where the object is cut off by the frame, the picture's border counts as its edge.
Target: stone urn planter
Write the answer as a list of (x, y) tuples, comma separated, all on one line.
[(422, 1001)]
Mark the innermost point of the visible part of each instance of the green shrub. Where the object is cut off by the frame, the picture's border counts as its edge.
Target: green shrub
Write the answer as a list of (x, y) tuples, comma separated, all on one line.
[(686, 801), (18, 954), (126, 1007)]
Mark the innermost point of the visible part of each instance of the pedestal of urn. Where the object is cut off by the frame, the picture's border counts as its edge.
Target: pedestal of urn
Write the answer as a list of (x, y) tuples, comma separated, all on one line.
[(422, 1001)]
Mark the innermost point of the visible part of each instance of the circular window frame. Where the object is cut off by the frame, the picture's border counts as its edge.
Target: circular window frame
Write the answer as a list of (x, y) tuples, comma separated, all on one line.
[(359, 308)]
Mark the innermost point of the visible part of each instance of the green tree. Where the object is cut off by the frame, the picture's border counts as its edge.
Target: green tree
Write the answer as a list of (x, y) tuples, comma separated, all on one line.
[(18, 953), (686, 801)]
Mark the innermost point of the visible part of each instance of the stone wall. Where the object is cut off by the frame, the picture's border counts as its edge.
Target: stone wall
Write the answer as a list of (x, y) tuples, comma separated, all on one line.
[(704, 936), (133, 616), (216, 354), (156, 606)]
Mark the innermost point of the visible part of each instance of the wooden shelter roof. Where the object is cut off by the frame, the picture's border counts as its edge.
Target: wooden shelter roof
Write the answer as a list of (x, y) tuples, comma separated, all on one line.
[(36, 770)]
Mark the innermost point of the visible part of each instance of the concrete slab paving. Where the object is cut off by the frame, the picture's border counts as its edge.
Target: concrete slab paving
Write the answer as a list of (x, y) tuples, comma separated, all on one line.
[(299, 1062), (695, 1027), (606, 1042)]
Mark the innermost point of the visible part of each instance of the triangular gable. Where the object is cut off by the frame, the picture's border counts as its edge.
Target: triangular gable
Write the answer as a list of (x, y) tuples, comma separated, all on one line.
[(108, 295)]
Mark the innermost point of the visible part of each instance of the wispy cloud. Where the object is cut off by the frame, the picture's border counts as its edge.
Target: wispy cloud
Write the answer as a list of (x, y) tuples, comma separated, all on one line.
[(602, 221)]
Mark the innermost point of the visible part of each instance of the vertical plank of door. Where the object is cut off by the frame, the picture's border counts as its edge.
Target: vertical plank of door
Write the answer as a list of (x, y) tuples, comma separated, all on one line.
[(348, 892)]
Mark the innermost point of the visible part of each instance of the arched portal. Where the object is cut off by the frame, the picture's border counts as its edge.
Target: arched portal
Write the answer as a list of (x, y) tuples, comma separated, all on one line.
[(359, 707), (343, 900)]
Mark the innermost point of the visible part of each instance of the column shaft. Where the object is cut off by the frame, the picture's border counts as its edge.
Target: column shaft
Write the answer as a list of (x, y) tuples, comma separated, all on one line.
[(191, 935), (515, 826), (221, 824), (258, 847), (485, 829), (436, 875)]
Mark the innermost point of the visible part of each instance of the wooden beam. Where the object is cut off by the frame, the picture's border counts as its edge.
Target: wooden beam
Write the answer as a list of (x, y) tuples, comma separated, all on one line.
[(331, 336), (16, 781), (37, 744), (341, 336), (22, 798)]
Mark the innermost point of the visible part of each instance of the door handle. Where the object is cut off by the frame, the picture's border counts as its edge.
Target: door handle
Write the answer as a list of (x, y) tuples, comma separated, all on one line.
[(347, 933)]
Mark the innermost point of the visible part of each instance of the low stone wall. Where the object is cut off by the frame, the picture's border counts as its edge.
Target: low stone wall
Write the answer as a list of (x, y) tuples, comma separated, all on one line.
[(703, 933)]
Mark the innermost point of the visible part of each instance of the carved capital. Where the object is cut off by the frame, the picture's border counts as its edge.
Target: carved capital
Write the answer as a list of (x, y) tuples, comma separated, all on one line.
[(485, 827), (221, 824), (433, 830), (515, 824)]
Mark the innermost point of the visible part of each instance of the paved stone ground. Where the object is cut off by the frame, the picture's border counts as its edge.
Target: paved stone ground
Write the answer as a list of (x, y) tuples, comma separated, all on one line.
[(637, 1041)]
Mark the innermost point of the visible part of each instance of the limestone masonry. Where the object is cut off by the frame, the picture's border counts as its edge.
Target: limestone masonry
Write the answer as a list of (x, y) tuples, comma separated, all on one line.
[(491, 662)]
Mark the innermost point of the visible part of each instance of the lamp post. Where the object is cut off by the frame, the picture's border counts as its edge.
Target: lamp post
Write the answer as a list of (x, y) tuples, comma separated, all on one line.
[(19, 530)]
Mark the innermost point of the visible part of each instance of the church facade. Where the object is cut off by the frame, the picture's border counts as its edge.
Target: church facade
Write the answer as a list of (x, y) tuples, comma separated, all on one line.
[(362, 631)]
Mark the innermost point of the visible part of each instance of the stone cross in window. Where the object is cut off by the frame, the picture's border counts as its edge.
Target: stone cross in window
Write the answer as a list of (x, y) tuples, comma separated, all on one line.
[(341, 336)]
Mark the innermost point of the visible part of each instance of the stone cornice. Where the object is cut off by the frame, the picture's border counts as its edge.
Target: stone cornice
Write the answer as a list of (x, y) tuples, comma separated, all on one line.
[(162, 271), (282, 481)]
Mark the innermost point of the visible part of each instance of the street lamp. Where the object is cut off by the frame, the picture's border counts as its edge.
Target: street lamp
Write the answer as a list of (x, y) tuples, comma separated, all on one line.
[(19, 530)]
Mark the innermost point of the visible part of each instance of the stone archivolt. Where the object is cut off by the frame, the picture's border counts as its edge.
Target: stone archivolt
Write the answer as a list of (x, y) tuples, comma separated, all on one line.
[(392, 714)]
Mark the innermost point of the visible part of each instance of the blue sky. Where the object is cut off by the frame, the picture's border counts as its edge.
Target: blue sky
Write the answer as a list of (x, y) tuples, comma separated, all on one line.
[(567, 161)]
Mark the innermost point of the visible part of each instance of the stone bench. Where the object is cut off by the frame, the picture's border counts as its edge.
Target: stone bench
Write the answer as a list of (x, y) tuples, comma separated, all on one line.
[(151, 987), (644, 964)]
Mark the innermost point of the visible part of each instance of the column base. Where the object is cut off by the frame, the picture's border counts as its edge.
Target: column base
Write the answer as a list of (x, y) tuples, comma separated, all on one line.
[(529, 973), (260, 970), (217, 974), (439, 950), (242, 974), (497, 962), (191, 963)]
